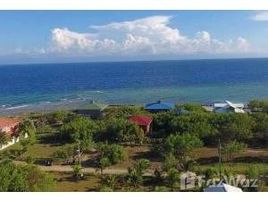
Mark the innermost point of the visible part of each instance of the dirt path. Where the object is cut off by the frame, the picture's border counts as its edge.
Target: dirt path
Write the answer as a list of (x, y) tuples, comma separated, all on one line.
[(68, 168)]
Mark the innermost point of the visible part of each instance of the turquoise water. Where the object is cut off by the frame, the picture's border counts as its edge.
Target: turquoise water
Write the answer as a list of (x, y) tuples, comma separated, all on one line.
[(204, 81)]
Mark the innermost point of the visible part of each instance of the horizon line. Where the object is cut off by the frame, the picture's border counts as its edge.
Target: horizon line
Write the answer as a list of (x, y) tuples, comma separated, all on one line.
[(125, 61)]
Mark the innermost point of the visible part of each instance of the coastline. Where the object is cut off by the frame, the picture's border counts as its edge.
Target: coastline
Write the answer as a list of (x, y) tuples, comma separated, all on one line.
[(202, 95)]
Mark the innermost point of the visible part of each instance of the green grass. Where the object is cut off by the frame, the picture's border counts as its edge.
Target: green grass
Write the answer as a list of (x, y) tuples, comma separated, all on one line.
[(42, 151), (66, 183), (236, 168)]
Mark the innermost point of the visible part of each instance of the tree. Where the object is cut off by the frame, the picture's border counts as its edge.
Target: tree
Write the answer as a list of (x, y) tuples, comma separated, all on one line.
[(38, 180), (27, 128), (103, 163), (169, 162), (142, 165), (162, 123), (109, 181), (233, 126), (260, 129), (80, 131), (133, 177), (181, 146), (258, 105), (77, 171), (110, 155), (64, 153), (23, 178), (4, 138), (233, 147), (135, 174), (195, 123), (59, 117), (134, 134)]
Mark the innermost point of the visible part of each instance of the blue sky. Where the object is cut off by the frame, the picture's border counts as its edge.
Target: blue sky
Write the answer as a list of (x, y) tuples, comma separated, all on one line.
[(73, 36)]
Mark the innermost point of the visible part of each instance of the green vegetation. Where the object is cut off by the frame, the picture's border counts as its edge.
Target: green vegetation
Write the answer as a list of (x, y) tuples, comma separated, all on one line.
[(4, 138), (80, 131), (119, 130), (231, 148), (184, 139), (110, 155), (259, 105), (23, 178), (135, 174)]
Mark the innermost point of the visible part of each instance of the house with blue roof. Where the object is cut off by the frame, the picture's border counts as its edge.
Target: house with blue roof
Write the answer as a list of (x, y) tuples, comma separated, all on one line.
[(159, 106)]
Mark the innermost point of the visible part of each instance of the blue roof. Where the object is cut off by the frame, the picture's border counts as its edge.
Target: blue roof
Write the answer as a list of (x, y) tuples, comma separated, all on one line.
[(159, 105)]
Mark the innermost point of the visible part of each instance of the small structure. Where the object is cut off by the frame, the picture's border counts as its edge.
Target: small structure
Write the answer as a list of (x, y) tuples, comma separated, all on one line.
[(228, 107), (222, 187), (9, 126), (159, 106), (93, 110), (144, 122)]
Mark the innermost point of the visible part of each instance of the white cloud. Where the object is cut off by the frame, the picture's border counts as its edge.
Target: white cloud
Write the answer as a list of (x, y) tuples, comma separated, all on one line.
[(260, 16), (146, 36)]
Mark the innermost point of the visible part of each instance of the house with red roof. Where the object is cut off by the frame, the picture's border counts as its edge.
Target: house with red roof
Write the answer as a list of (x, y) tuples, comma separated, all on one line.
[(143, 121), (9, 126)]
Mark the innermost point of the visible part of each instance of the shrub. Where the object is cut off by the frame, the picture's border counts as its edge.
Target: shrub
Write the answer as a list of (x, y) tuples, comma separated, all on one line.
[(110, 155), (233, 147)]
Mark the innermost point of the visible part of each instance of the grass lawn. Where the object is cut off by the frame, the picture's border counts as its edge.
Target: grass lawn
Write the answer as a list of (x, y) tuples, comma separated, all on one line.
[(66, 183), (43, 151), (237, 168)]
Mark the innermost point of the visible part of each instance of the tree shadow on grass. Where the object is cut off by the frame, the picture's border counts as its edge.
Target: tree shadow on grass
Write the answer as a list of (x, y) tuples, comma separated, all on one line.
[(51, 140), (210, 160), (152, 156), (251, 159), (242, 159)]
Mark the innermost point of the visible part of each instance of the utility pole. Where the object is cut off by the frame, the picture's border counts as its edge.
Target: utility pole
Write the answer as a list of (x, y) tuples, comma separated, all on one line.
[(219, 153)]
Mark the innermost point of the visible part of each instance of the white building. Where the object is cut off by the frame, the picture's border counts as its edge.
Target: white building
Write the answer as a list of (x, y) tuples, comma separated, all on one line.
[(228, 106), (222, 187)]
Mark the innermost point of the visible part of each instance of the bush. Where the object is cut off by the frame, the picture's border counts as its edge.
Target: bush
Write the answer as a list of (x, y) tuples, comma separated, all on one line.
[(210, 173), (181, 146), (110, 155), (233, 147), (64, 153), (118, 130), (173, 178), (80, 130), (29, 159), (252, 172), (258, 105), (135, 174), (24, 178)]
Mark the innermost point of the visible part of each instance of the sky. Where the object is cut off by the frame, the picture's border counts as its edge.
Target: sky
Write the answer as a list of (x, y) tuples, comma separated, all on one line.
[(79, 36)]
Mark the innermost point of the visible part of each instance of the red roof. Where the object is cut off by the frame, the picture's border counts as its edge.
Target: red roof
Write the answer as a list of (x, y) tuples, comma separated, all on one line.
[(6, 122), (141, 120)]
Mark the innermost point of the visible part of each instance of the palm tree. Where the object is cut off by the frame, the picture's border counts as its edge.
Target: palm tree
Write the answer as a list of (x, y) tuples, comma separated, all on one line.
[(77, 171)]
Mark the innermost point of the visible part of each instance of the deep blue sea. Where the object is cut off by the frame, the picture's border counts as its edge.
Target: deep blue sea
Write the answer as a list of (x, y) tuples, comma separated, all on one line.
[(133, 82)]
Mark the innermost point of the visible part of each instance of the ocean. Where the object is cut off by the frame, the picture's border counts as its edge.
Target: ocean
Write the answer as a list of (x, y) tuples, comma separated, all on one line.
[(50, 86)]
